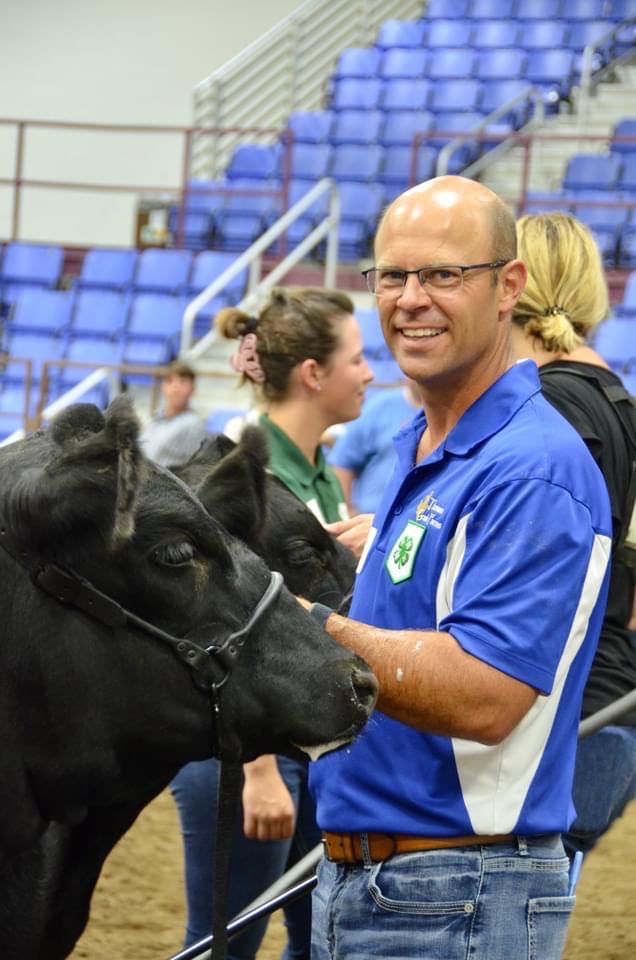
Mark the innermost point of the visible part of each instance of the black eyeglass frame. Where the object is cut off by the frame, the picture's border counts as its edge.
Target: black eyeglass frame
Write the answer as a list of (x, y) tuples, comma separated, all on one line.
[(494, 265)]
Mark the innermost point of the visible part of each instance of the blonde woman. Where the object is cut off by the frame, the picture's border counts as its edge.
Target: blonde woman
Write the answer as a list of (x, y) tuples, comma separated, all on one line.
[(303, 355), (564, 300)]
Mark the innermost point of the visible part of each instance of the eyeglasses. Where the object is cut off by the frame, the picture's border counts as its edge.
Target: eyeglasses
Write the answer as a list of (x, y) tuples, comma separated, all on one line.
[(389, 281)]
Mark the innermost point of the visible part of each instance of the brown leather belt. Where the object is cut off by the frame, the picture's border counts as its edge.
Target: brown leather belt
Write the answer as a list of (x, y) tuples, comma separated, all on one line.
[(347, 847)]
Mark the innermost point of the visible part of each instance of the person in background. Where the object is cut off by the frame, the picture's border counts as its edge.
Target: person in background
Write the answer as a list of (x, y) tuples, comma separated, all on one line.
[(363, 455), (176, 431), (303, 354), (564, 301), (478, 605)]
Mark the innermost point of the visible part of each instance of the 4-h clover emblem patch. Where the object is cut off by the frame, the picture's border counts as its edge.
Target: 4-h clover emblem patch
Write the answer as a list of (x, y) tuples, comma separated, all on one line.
[(401, 556)]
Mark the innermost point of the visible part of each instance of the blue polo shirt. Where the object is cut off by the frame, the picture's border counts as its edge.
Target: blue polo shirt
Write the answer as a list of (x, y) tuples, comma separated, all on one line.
[(500, 537)]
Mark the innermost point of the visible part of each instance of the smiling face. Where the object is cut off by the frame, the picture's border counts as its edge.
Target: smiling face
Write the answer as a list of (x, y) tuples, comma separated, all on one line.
[(344, 378), (453, 342)]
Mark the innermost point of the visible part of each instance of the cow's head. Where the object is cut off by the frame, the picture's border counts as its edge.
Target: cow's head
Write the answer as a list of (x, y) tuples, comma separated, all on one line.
[(233, 483), (90, 708)]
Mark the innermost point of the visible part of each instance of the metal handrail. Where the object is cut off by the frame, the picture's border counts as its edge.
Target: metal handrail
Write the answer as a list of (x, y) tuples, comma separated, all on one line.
[(443, 158), (286, 69), (587, 61), (252, 256)]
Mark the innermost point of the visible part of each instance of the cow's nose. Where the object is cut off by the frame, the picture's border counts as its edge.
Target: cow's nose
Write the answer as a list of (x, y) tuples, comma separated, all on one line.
[(366, 687)]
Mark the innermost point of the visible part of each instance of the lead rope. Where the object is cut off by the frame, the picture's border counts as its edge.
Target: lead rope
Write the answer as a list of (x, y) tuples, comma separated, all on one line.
[(229, 795)]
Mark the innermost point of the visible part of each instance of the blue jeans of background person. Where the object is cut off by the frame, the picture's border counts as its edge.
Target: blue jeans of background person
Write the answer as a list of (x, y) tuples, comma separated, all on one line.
[(502, 902), (255, 864), (604, 783)]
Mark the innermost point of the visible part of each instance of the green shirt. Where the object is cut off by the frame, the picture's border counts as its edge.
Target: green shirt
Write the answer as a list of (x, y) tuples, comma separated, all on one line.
[(315, 484)]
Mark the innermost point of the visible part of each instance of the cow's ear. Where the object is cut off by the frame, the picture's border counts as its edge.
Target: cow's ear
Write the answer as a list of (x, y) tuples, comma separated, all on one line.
[(235, 490), (92, 478)]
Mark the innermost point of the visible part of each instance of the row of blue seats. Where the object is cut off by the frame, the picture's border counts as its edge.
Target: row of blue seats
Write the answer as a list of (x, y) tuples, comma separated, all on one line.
[(615, 10), (497, 30), (154, 270)]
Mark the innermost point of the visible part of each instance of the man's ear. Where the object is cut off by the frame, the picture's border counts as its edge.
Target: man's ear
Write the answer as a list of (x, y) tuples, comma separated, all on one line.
[(512, 280)]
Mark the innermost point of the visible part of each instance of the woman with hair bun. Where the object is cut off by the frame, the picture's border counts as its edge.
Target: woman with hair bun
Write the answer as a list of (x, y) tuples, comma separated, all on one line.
[(564, 301), (303, 355)]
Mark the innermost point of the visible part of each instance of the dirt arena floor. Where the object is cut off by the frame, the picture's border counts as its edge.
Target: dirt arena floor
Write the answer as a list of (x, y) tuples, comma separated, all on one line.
[(138, 907)]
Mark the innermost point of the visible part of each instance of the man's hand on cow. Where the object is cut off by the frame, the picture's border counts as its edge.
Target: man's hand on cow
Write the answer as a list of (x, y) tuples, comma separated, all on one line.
[(352, 533), (268, 809)]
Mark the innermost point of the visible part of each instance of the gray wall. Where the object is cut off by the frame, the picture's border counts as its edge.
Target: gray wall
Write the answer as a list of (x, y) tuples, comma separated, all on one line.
[(130, 62)]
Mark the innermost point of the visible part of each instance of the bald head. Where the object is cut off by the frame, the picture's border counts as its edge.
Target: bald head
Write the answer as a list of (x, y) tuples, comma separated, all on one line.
[(454, 205)]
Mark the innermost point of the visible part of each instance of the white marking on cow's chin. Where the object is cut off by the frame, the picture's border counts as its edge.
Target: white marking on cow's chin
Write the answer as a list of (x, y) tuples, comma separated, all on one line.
[(315, 752)]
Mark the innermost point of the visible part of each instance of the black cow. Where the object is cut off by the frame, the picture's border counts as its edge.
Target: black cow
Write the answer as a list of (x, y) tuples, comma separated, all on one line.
[(97, 710), (256, 506)]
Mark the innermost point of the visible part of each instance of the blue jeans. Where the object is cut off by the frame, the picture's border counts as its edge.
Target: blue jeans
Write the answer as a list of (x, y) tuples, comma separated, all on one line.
[(502, 902), (604, 783), (255, 864)]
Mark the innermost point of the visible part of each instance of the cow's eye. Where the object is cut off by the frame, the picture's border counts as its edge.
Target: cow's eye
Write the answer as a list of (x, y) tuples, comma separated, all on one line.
[(174, 554), (299, 552)]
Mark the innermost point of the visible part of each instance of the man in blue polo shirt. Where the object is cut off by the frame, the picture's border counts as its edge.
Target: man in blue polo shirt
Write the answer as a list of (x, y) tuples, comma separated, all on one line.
[(478, 605)]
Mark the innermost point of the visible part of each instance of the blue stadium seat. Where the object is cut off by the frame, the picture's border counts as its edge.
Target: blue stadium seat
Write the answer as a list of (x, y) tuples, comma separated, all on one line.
[(584, 32), (360, 202), (38, 310), (491, 9), (627, 306), (449, 33), (501, 64), (396, 174), (599, 217), (356, 94), (452, 63), (254, 161), (619, 10), (552, 71), (154, 317), (194, 229), (452, 125), (447, 8), (93, 351), (12, 410), (357, 126), (310, 161), (624, 128), (547, 202), (592, 172), (496, 33), (237, 230), (31, 263), (355, 162), (584, 9), (209, 265), (543, 34), (310, 126), (495, 93), (454, 95), (616, 343), (163, 271), (107, 269), (260, 197), (373, 341), (627, 177), (400, 33), (32, 346), (406, 94), (540, 10), (358, 62), (399, 62), (146, 352), (401, 125), (99, 313)]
